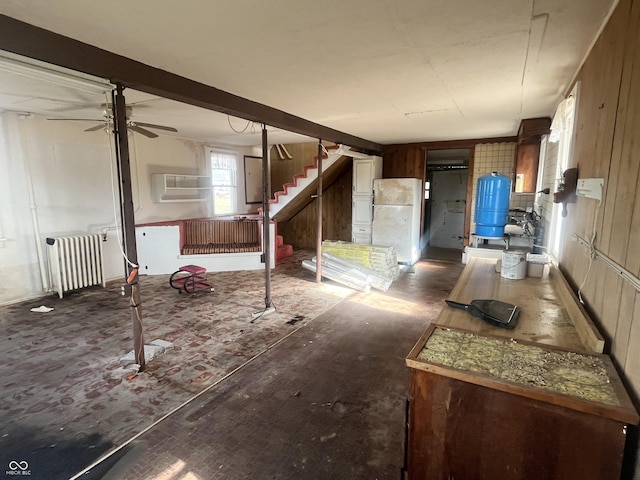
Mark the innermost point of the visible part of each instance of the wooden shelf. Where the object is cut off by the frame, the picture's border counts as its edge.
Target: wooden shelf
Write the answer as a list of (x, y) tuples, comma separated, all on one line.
[(170, 187)]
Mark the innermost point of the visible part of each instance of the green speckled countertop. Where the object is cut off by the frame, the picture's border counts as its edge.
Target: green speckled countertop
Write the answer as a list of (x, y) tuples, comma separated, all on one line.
[(580, 375)]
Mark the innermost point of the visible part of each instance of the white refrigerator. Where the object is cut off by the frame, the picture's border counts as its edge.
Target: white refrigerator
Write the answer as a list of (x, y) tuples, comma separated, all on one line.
[(396, 216)]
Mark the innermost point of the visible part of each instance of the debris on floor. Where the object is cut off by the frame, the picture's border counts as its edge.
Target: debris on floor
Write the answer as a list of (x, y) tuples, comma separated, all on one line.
[(42, 309), (295, 320), (151, 351), (126, 371)]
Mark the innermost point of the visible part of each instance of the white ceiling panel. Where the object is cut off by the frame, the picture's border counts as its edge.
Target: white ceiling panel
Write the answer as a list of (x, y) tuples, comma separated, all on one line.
[(387, 71)]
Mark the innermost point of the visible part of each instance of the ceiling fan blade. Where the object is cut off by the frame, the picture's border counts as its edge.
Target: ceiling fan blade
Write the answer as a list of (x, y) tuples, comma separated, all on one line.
[(96, 128), (76, 119), (159, 127), (142, 131)]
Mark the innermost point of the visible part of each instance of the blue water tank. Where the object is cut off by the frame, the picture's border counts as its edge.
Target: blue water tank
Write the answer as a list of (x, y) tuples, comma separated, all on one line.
[(492, 204)]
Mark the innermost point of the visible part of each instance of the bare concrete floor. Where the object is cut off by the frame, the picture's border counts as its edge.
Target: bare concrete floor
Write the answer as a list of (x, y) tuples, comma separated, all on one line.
[(323, 398)]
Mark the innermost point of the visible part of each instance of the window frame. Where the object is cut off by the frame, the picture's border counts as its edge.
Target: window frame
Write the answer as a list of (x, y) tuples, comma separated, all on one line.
[(564, 161), (232, 185)]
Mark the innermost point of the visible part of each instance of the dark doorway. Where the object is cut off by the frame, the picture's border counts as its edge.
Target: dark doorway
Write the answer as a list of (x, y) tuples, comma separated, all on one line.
[(447, 173)]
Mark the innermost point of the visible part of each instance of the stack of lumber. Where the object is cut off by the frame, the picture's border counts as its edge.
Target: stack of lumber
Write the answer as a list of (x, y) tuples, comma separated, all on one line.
[(379, 259)]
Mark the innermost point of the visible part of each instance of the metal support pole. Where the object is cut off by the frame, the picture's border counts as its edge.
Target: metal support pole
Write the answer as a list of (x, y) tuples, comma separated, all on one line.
[(266, 225), (128, 221), (319, 215)]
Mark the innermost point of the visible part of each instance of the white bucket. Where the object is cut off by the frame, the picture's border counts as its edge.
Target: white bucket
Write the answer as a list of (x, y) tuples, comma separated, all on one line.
[(514, 264)]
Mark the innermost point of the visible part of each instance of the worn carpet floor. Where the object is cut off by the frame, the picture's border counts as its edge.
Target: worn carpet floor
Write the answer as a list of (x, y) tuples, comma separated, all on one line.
[(67, 400)]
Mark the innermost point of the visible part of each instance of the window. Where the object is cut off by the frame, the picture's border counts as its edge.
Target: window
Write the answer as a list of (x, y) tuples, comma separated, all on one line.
[(224, 181)]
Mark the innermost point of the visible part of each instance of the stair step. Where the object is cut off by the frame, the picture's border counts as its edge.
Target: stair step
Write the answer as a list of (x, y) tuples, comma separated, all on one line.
[(283, 251), (299, 182)]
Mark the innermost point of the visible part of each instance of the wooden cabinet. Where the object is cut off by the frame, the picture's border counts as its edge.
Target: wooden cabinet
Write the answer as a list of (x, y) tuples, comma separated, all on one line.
[(365, 171), (538, 401), (527, 160), (460, 430), (528, 153), (169, 187), (362, 212)]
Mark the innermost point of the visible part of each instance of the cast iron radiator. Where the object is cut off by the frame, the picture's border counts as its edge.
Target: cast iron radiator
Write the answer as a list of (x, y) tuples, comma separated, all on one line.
[(75, 262)]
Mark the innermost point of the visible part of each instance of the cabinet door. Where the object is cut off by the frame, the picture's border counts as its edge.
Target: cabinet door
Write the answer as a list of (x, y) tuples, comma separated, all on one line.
[(527, 168), (461, 430), (365, 171), (362, 210), (362, 239)]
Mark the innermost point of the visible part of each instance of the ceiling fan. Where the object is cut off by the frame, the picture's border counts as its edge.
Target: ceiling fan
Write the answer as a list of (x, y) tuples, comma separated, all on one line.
[(107, 113)]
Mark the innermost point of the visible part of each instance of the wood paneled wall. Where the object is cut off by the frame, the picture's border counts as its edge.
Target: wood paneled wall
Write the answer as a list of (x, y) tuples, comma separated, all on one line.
[(404, 161), (607, 145), (300, 231)]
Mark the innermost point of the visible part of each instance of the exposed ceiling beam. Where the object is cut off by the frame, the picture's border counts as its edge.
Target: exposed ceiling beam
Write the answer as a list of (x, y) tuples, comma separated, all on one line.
[(35, 42)]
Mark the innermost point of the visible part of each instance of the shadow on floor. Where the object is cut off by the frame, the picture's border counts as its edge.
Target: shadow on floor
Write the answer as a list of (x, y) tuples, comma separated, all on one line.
[(438, 253)]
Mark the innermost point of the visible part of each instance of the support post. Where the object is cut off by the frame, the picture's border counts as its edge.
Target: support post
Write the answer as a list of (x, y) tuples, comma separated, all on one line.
[(128, 221), (319, 215), (266, 226)]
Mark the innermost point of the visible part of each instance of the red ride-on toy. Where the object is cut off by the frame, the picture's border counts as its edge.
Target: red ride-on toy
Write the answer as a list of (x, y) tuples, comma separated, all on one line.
[(191, 279)]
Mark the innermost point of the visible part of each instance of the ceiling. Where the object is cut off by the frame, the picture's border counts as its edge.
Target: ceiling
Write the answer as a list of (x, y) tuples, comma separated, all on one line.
[(387, 71)]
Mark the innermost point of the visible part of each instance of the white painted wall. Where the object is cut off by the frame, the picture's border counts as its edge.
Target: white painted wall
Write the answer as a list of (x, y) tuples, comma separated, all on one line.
[(164, 155), (56, 179)]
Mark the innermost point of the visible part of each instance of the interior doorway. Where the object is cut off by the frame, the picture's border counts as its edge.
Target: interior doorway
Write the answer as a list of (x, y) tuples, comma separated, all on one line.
[(447, 173)]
